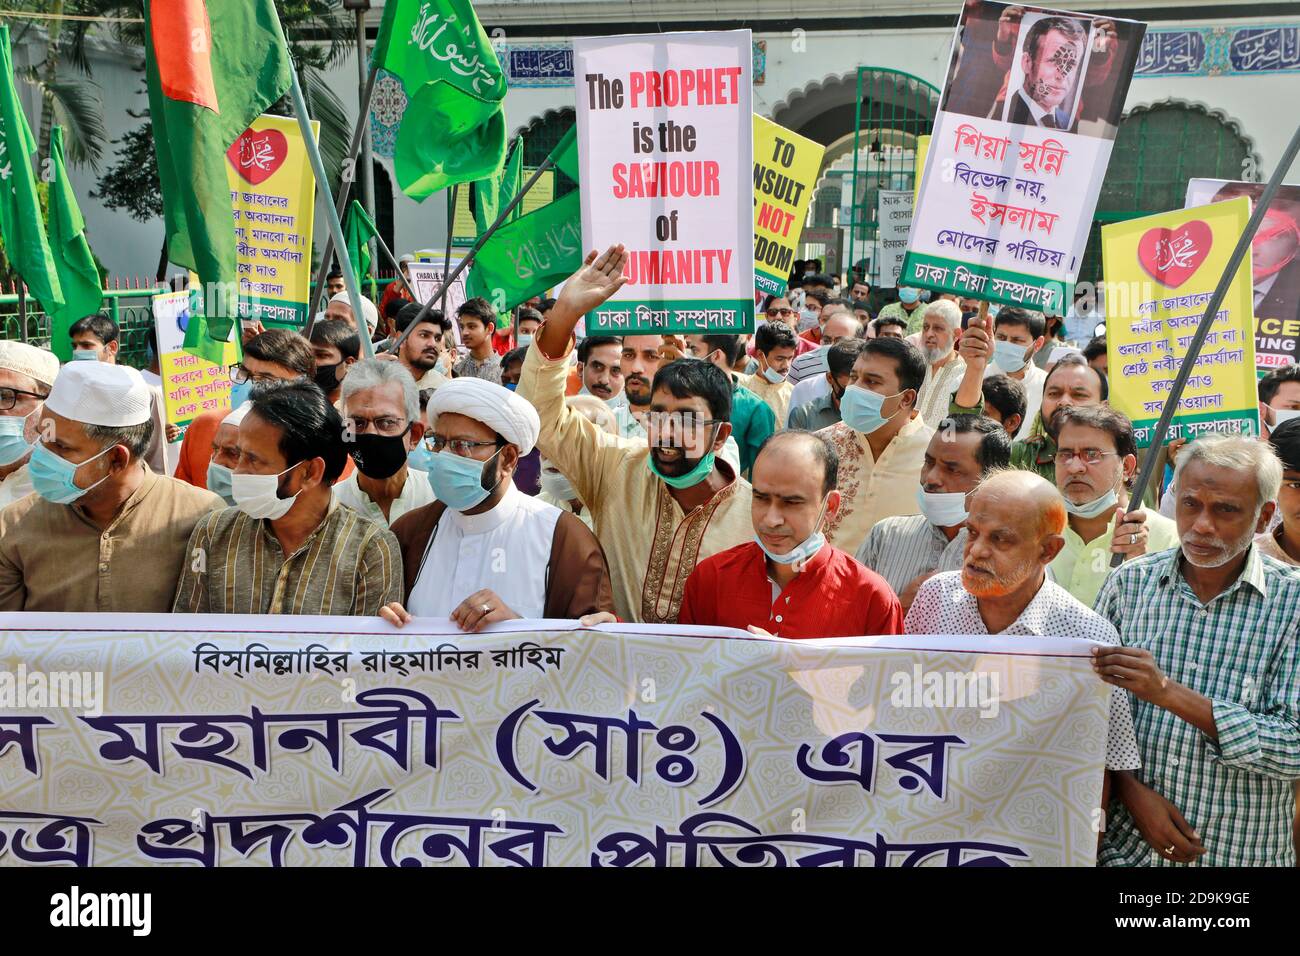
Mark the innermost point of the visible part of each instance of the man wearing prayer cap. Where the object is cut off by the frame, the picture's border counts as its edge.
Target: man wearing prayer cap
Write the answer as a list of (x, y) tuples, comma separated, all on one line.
[(102, 531), (26, 374), (485, 551), (340, 307), (225, 455)]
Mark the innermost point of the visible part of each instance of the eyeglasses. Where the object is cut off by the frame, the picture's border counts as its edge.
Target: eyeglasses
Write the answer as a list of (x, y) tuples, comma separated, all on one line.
[(1091, 455), (386, 425), (239, 375), (9, 397), (780, 313), (459, 446)]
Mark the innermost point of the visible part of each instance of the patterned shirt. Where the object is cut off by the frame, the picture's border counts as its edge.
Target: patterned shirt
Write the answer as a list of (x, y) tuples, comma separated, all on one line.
[(488, 369), (944, 606), (1240, 651), (937, 390), (900, 548), (234, 565)]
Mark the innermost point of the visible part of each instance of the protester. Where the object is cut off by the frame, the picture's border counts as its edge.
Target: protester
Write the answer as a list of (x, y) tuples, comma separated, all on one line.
[(334, 283), (397, 290), (527, 322), (225, 455), (382, 426), (824, 410), (860, 299), (599, 368), (477, 319), (340, 307), (1004, 401), (944, 368), (881, 440), (1019, 335), (511, 364), (555, 488), (102, 532), (1283, 542), (483, 552), (909, 307), (778, 308), (812, 365), (787, 581), (907, 550), (889, 326), (1210, 659), (1096, 460), (1094, 353), (752, 420), (775, 347), (425, 348), (335, 347), (1014, 530), (1279, 397), (814, 301), (658, 507), (287, 547), (26, 376)]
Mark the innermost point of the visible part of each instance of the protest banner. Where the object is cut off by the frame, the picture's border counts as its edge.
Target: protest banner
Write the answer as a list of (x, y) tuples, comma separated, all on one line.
[(463, 228), (191, 385), (894, 215), (785, 174), (274, 199), (665, 141), (1018, 153), (1160, 273), (1275, 266), (425, 277), (228, 740)]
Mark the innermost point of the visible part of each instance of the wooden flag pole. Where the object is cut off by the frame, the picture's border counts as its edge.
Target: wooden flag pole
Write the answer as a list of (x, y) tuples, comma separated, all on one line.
[(1203, 329), (332, 216)]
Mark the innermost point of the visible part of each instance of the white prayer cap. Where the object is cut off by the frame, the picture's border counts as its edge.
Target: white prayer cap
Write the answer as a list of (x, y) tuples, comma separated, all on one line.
[(237, 415), (95, 393), (511, 417), (39, 364), (368, 308), (407, 259)]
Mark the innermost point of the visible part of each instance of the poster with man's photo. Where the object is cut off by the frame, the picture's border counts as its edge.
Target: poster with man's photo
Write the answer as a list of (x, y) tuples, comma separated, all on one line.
[(1274, 263), (1020, 146)]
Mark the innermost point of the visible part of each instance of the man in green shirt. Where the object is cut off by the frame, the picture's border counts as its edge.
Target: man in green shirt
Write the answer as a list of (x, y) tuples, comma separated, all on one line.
[(752, 419), (909, 308)]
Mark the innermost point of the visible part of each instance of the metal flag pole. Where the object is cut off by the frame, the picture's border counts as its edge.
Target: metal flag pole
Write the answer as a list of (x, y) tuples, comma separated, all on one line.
[(331, 214), (547, 163), (1203, 329)]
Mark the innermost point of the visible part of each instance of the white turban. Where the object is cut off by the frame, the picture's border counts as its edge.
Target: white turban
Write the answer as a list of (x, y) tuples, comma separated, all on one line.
[(368, 309), (38, 364), (95, 393), (511, 417)]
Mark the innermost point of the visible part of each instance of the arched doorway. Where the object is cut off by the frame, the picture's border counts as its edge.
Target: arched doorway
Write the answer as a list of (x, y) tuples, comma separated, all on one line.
[(541, 135)]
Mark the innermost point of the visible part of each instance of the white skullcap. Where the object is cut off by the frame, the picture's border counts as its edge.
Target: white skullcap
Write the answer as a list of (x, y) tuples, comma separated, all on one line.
[(511, 417), (39, 364), (368, 308), (95, 393), (408, 258), (237, 415)]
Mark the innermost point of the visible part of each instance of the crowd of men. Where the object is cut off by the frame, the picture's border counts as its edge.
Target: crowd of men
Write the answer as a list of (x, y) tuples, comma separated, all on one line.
[(871, 463)]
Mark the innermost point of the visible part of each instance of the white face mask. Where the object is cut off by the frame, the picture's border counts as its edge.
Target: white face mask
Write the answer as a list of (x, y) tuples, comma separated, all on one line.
[(1281, 415), (258, 495), (941, 508), (556, 486)]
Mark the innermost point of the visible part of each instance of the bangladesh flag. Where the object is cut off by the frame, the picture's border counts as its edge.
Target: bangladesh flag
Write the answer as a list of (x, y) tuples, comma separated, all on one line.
[(77, 272), (360, 230), (453, 129), (533, 253), (212, 66), (25, 242)]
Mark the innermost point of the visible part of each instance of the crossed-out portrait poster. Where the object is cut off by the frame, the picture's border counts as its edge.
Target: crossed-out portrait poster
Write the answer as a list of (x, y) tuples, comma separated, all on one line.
[(1018, 153)]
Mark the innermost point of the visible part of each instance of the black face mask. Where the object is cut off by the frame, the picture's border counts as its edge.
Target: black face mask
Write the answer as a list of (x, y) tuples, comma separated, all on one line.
[(327, 377), (379, 456)]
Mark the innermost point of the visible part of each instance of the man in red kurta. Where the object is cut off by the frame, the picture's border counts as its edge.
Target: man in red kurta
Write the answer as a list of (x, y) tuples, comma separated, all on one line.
[(788, 581)]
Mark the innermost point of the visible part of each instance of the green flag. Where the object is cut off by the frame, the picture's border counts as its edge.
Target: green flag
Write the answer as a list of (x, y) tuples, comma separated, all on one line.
[(360, 230), (493, 194), (78, 275), (26, 245), (200, 340), (453, 129), (529, 255), (212, 67)]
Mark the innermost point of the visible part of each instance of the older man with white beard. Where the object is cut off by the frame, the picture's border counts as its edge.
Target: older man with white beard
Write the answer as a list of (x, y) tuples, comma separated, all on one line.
[(1211, 659), (944, 368)]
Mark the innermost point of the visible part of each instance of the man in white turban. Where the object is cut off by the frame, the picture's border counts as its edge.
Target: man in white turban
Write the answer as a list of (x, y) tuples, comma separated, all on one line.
[(26, 375), (485, 551), (340, 307)]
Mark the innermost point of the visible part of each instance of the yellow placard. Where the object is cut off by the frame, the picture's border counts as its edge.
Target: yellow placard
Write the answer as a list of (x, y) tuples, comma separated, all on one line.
[(463, 228), (1160, 275), (922, 147), (190, 385), (785, 173), (274, 199)]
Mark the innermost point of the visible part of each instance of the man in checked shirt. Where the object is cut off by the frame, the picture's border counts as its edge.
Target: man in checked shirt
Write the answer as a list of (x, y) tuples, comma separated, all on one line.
[(1210, 655)]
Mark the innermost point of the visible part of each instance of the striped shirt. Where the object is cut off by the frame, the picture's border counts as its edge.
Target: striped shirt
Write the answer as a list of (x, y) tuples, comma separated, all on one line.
[(900, 548), (348, 565), (1240, 651)]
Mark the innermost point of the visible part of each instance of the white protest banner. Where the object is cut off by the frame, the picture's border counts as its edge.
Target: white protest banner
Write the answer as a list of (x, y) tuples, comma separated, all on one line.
[(426, 278), (217, 740), (665, 142), (894, 214), (1018, 153)]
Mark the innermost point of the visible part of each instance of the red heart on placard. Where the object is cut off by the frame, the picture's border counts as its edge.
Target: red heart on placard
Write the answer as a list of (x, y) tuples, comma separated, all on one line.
[(257, 154), (1172, 256)]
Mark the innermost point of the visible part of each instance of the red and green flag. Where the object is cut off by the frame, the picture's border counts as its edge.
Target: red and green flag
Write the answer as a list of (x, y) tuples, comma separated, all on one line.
[(213, 66), (453, 129), (23, 231), (73, 261)]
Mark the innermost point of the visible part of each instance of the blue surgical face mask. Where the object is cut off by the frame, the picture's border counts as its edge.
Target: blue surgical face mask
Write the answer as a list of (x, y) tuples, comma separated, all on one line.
[(85, 355), (805, 549), (773, 376), (53, 477), (524, 341), (511, 385), (419, 457), (1090, 509), (458, 482), (13, 444), (860, 409), (239, 394), (219, 482), (909, 295), (1009, 356)]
